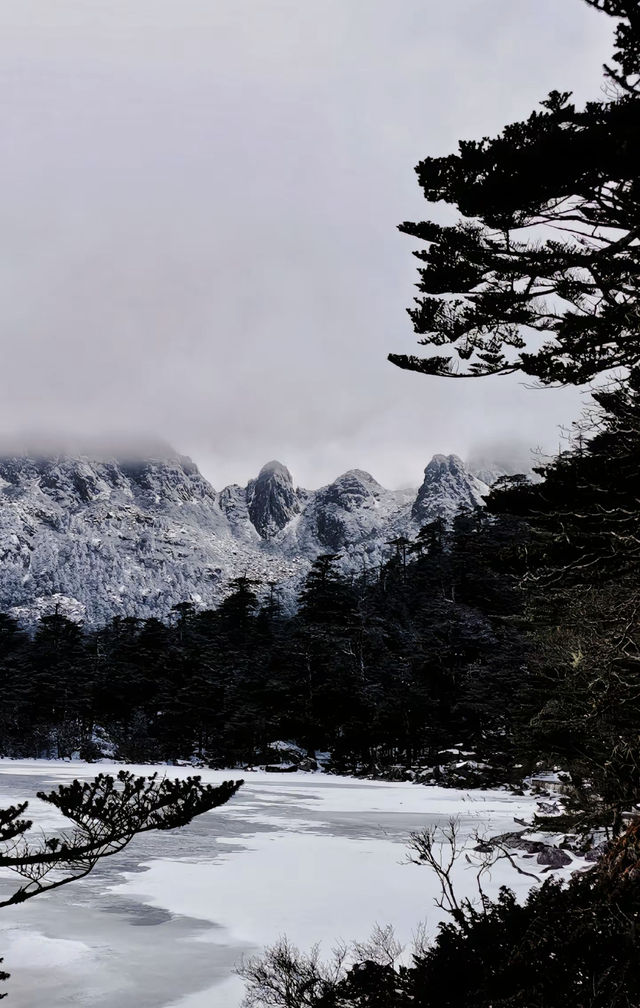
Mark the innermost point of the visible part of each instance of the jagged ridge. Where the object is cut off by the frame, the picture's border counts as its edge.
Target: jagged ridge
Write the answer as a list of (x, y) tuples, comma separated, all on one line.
[(100, 537)]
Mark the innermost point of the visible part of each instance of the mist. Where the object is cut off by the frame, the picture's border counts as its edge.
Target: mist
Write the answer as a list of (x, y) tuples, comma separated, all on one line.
[(199, 208)]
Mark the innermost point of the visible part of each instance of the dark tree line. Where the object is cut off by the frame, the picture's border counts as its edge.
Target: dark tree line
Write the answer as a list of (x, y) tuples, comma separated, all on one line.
[(583, 605)]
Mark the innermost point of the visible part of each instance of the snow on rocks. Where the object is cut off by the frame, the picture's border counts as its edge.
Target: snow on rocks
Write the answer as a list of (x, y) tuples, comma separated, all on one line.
[(98, 537), (447, 487)]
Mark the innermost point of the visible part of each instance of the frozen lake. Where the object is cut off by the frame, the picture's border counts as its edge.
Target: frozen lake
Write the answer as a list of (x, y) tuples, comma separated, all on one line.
[(315, 857)]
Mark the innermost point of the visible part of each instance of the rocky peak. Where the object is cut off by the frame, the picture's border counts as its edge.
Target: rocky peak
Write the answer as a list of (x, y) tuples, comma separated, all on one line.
[(166, 481), (447, 487), (351, 489), (347, 510), (78, 481), (272, 500)]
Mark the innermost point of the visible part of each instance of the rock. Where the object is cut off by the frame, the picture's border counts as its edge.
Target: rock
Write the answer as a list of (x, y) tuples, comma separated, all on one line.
[(534, 846), (553, 857), (514, 841), (549, 808), (517, 841), (597, 852), (271, 499), (570, 843)]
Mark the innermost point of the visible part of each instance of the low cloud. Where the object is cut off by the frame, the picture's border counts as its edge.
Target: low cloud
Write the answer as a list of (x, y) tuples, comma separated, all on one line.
[(199, 204)]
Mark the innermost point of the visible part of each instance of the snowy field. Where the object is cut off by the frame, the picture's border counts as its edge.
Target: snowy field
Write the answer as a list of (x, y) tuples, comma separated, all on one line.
[(315, 857)]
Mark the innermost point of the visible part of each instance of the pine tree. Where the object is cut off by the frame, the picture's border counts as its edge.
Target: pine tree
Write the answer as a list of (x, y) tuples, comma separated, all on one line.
[(549, 240)]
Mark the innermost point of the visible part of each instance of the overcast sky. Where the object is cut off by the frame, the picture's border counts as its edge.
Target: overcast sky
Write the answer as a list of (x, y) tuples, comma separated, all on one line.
[(198, 209)]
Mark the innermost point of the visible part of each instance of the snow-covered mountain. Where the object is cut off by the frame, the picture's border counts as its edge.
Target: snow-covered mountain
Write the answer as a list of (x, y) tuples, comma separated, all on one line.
[(447, 488), (99, 537)]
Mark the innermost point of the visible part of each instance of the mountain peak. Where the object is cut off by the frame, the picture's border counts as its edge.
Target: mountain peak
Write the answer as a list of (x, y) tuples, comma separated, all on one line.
[(272, 500), (358, 476), (441, 464), (447, 487), (275, 468)]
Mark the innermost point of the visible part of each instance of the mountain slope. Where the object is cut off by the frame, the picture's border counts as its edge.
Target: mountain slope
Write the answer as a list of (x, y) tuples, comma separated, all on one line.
[(98, 537)]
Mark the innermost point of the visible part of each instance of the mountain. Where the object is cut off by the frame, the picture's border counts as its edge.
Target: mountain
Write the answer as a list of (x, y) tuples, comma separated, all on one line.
[(97, 537), (271, 500), (447, 487)]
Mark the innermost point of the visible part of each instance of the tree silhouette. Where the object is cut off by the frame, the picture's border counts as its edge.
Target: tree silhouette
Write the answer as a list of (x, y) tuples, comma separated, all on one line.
[(549, 241)]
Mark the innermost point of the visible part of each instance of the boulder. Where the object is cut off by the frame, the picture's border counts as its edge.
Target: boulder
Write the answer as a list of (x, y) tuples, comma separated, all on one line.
[(514, 841), (553, 857), (548, 808), (597, 852)]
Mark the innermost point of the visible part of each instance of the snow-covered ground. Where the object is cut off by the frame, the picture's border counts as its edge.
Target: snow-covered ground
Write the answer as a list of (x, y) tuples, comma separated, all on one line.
[(314, 857)]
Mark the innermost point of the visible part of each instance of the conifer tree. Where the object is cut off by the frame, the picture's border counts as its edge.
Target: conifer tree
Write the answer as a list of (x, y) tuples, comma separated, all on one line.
[(548, 245), (583, 558)]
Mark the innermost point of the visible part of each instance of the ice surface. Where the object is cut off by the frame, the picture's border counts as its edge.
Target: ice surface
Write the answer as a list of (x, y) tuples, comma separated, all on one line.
[(316, 857)]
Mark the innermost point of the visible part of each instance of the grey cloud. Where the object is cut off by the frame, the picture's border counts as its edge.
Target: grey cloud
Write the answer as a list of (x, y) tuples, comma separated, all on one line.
[(199, 202)]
